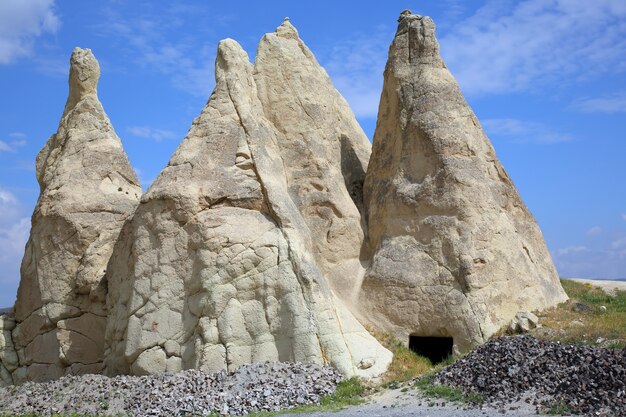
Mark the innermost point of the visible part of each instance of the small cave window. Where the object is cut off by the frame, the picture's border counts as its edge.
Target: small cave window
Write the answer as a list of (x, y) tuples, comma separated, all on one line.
[(437, 349)]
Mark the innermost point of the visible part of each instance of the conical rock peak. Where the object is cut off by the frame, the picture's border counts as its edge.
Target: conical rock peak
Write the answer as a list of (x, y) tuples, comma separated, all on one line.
[(88, 191), (455, 252)]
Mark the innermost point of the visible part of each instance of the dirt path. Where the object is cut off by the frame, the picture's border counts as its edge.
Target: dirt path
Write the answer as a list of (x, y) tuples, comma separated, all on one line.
[(394, 403)]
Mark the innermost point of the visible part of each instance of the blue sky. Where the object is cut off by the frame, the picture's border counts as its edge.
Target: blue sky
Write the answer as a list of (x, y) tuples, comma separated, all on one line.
[(547, 79)]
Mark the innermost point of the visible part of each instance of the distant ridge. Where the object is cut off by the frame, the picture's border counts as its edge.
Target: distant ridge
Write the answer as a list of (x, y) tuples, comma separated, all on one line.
[(6, 310)]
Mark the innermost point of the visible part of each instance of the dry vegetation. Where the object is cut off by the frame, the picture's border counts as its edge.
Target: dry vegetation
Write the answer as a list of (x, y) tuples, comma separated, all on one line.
[(591, 316), (406, 364)]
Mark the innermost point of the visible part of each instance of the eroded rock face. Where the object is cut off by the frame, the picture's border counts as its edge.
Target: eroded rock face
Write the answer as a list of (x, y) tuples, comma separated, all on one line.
[(324, 152), (8, 355), (454, 250), (88, 191), (217, 267)]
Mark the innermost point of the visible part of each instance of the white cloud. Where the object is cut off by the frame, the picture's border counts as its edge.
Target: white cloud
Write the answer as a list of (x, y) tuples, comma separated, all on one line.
[(515, 130), (14, 230), (12, 146), (610, 104), (618, 244), (604, 259), (607, 263), (624, 216), (594, 231), (21, 21), (356, 67), (511, 46), (149, 133), (5, 147), (572, 249), (7, 200), (146, 38)]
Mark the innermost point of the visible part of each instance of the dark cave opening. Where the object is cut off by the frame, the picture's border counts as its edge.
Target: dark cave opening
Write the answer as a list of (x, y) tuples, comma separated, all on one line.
[(437, 349)]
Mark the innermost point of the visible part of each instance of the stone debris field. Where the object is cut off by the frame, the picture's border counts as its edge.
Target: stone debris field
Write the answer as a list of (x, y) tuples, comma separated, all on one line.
[(574, 378), (257, 387)]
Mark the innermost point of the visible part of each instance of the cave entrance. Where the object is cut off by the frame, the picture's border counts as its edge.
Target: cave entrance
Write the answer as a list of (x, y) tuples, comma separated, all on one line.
[(437, 349)]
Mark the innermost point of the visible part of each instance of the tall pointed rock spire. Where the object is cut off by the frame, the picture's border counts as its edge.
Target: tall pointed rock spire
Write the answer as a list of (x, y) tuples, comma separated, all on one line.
[(455, 252), (217, 267), (88, 190), (324, 152)]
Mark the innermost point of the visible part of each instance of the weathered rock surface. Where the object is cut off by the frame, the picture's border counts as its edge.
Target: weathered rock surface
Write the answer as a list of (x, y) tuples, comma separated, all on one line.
[(260, 241), (523, 322), (454, 250), (88, 190), (218, 267), (8, 355), (324, 152)]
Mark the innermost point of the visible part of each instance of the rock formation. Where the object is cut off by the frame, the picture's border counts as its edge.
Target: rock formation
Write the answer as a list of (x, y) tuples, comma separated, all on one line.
[(88, 190), (454, 251), (225, 261), (8, 356), (259, 241), (324, 152)]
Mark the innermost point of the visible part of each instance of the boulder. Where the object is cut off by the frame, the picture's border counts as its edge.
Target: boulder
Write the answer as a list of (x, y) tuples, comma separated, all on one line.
[(453, 250), (218, 266), (523, 322), (88, 191)]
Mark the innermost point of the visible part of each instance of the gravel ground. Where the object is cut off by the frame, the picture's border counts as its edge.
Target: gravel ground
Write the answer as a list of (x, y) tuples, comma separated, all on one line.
[(264, 386), (583, 379), (517, 376), (395, 403)]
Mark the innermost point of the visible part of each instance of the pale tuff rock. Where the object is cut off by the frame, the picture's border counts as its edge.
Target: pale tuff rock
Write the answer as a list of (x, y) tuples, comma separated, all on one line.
[(260, 241), (88, 190), (8, 355), (523, 322), (455, 252), (323, 149), (217, 267)]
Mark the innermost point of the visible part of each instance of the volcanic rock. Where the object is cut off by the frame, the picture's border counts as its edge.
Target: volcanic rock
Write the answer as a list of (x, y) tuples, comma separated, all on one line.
[(324, 153), (218, 268), (454, 250), (523, 322), (88, 191), (585, 380), (8, 356)]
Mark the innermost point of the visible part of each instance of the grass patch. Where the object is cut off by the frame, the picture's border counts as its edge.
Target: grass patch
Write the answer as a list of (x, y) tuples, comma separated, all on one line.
[(406, 364), (559, 409), (428, 387), (349, 392), (600, 316)]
